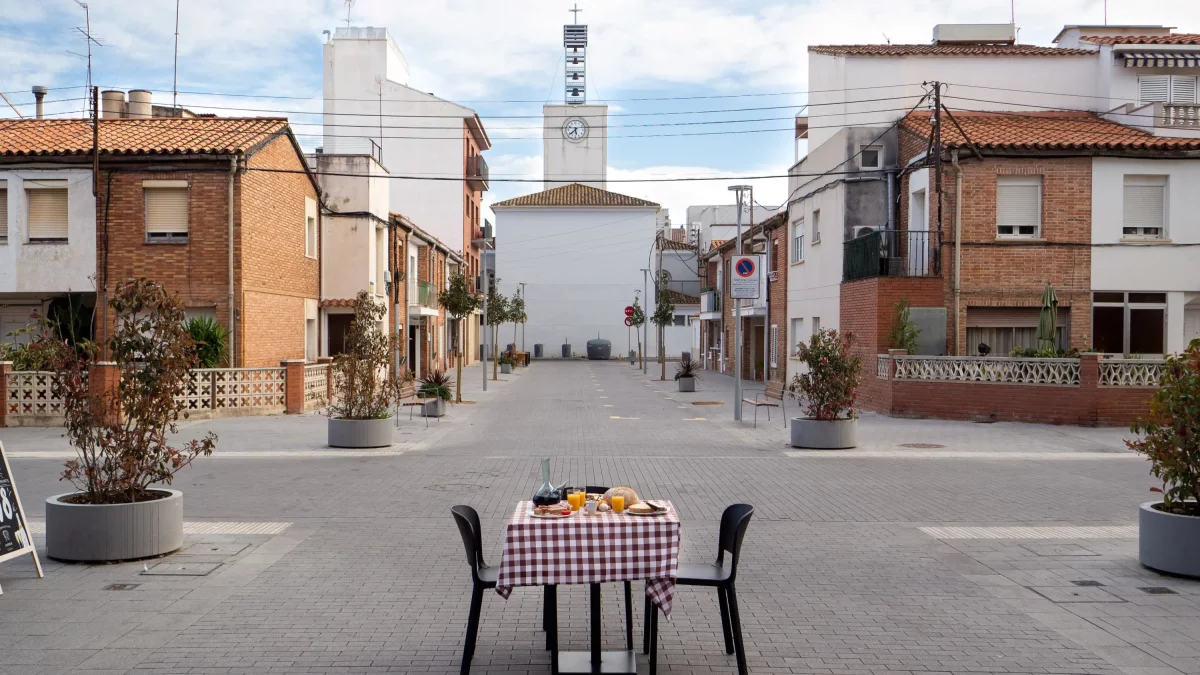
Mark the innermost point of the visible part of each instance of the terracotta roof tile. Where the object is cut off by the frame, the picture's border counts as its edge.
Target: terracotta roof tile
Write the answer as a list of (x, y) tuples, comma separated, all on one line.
[(678, 298), (153, 136), (947, 50), (1173, 39), (1044, 131), (338, 302), (575, 195), (672, 245)]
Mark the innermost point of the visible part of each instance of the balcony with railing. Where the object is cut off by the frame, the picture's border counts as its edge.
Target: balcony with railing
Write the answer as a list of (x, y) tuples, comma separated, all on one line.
[(710, 305), (425, 301), (1177, 116), (891, 253), (477, 172)]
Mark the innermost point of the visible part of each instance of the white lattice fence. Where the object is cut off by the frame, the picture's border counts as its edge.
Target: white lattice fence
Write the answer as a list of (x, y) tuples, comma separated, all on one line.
[(996, 369), (198, 389), (316, 384), (249, 388), (31, 394), (1131, 373), (882, 365)]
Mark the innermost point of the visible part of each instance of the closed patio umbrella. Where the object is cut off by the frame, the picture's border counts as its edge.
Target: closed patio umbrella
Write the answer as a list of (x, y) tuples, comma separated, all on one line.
[(1047, 332)]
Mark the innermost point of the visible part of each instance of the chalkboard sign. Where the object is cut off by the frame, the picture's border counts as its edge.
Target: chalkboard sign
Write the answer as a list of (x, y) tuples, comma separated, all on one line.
[(15, 538)]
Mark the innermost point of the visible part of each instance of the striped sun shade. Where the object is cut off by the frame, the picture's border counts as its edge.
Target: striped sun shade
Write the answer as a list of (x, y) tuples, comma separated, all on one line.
[(1162, 60)]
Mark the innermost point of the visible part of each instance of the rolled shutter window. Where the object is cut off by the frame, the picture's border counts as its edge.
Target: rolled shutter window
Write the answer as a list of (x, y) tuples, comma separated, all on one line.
[(166, 211), (1154, 89), (1018, 206), (47, 212)]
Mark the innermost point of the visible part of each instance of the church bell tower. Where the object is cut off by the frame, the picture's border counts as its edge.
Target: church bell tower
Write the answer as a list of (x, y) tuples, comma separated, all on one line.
[(574, 133)]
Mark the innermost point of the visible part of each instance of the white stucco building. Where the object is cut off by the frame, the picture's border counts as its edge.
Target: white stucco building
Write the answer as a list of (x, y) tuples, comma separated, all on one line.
[(579, 253), (47, 240)]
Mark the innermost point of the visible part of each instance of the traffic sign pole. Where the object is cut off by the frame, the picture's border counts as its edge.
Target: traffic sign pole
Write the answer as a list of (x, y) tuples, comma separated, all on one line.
[(737, 319)]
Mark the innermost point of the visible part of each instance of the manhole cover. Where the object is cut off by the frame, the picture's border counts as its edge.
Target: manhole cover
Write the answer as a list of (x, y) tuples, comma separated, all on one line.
[(924, 446), (181, 569), (1157, 590), (121, 587), (1087, 582)]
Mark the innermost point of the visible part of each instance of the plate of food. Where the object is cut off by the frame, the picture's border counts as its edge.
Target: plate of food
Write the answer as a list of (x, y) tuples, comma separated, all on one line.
[(552, 511), (646, 509)]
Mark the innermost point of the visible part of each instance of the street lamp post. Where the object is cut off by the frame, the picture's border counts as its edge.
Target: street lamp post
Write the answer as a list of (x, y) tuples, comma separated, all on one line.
[(645, 316), (522, 285), (737, 316)]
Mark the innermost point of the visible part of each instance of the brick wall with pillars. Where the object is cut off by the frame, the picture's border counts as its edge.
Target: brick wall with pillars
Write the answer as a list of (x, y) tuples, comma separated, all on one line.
[(293, 398)]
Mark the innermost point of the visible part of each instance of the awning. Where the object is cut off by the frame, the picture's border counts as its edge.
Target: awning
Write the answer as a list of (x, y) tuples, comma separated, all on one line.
[(1162, 60)]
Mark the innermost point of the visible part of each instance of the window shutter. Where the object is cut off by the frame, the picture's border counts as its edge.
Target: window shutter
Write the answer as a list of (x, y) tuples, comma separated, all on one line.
[(1153, 88), (47, 213), (1018, 206), (1144, 206), (166, 211), (3, 210), (774, 345), (1183, 89)]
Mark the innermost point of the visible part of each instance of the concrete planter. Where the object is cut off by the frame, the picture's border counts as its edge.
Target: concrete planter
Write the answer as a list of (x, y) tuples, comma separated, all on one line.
[(111, 532), (360, 433), (1168, 542), (435, 408), (824, 435), (687, 383), (505, 369)]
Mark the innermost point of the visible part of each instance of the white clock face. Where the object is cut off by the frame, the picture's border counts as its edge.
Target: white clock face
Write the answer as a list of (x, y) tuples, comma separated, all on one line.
[(575, 130)]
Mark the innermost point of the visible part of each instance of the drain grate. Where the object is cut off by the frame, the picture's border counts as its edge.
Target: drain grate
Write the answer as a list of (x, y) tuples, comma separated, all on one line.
[(1157, 590), (924, 446), (1087, 582), (120, 587)]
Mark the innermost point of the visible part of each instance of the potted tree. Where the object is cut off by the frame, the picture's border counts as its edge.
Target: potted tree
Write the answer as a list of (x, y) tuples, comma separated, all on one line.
[(119, 415), (435, 385), (1169, 530), (828, 389), (364, 391), (506, 363), (459, 301), (636, 321), (686, 375), (516, 314)]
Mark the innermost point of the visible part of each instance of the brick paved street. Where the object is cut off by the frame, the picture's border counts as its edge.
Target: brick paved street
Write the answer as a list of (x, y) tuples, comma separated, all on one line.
[(322, 561)]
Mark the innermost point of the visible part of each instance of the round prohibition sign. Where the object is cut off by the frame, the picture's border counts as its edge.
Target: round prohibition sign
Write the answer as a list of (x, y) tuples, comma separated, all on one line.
[(744, 267)]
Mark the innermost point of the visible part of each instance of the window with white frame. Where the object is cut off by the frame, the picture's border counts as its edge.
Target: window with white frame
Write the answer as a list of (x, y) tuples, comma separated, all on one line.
[(816, 218), (870, 156), (166, 205), (310, 228), (1167, 89), (798, 240), (46, 201), (774, 345), (3, 212), (1144, 207), (1019, 206), (795, 338)]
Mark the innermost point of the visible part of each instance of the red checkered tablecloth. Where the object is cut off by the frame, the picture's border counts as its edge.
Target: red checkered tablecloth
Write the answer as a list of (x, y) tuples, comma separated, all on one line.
[(583, 549)]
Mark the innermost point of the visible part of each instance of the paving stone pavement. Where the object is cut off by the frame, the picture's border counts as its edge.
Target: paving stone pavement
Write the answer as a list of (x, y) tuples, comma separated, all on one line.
[(837, 576)]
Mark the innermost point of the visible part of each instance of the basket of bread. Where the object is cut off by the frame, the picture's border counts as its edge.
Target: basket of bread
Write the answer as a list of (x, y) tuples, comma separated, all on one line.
[(633, 504)]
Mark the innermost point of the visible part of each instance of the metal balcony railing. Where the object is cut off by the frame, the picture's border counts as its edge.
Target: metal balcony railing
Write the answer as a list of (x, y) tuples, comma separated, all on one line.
[(427, 295), (891, 253), (710, 301), (477, 172)]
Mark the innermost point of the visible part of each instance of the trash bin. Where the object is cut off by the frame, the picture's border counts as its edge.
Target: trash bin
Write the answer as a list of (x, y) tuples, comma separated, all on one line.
[(537, 351), (685, 357), (566, 351), (599, 350)]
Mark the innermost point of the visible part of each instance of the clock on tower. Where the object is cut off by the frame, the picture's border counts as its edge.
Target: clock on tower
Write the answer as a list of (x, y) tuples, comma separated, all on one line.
[(575, 129)]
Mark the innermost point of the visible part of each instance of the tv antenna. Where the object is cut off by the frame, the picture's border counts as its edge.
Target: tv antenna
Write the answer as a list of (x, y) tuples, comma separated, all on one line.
[(175, 77), (349, 4), (575, 12), (86, 31)]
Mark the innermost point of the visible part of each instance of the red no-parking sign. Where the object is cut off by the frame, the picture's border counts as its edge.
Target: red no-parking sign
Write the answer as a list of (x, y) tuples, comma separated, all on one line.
[(628, 310), (747, 276)]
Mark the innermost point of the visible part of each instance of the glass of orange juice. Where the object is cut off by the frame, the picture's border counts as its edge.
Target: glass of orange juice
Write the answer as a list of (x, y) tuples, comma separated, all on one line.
[(618, 504)]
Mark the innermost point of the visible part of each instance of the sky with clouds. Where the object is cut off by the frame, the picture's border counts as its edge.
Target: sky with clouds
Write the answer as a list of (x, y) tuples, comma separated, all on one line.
[(504, 57)]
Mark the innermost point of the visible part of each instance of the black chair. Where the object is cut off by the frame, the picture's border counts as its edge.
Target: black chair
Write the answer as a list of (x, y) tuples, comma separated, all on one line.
[(734, 522), (597, 489), (483, 576)]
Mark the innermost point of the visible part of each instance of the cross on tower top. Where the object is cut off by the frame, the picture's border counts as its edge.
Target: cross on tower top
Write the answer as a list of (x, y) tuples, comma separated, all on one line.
[(575, 11)]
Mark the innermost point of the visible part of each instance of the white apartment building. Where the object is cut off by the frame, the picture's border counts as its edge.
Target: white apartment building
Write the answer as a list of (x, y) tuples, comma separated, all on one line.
[(47, 240), (1140, 76), (718, 222)]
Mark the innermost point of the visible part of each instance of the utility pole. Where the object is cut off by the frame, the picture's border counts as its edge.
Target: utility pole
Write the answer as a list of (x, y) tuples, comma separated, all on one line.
[(737, 316), (937, 151), (522, 323), (487, 286)]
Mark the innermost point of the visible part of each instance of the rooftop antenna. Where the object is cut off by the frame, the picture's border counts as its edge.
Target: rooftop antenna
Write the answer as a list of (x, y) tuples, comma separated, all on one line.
[(87, 34), (175, 77), (887, 39), (349, 4)]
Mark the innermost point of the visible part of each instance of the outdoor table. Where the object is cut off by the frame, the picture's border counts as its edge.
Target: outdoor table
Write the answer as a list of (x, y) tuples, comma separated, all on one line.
[(591, 549)]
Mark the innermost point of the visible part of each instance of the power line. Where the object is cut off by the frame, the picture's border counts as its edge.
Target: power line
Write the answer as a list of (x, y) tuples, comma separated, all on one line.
[(678, 179)]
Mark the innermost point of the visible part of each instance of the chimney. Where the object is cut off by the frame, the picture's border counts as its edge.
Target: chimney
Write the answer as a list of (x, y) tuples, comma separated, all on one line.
[(139, 104), (39, 94), (112, 104)]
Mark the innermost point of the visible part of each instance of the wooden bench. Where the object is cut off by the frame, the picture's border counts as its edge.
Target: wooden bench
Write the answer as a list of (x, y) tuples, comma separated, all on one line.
[(770, 397), (410, 400)]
